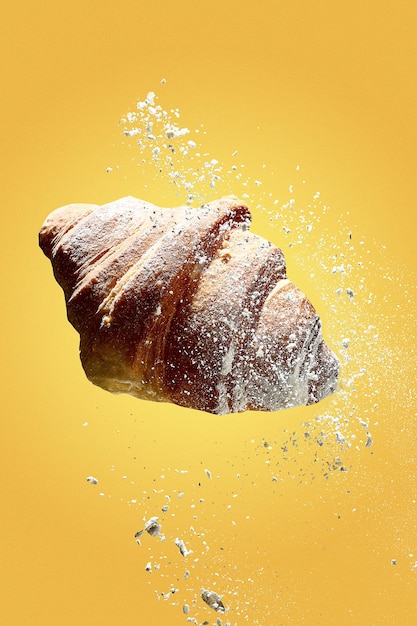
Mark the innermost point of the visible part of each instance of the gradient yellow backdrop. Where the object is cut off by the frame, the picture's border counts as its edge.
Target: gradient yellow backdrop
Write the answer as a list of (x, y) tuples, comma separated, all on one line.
[(281, 533)]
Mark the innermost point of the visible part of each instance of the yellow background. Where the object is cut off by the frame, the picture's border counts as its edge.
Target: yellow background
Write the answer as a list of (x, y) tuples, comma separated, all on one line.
[(329, 86)]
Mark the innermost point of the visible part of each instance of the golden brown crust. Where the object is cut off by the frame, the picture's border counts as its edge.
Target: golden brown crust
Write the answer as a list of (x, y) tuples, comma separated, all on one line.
[(187, 306)]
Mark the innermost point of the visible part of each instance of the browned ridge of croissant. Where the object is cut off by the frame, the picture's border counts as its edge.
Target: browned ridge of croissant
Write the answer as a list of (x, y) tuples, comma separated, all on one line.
[(187, 306)]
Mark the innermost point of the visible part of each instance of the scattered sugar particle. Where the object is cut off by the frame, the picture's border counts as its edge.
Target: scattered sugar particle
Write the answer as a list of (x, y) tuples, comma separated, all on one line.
[(132, 132), (181, 494), (148, 567), (393, 561), (92, 480), (165, 508), (181, 545), (185, 609), (213, 600), (163, 81), (258, 183), (173, 131), (341, 439), (350, 293), (192, 144), (345, 342), (109, 169), (153, 527), (369, 441), (186, 574), (85, 424), (208, 473)]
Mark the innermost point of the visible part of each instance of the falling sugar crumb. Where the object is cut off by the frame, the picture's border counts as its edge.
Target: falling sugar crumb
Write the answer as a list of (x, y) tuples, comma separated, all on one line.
[(92, 480), (150, 98), (153, 527), (181, 545), (138, 535), (369, 441), (213, 600)]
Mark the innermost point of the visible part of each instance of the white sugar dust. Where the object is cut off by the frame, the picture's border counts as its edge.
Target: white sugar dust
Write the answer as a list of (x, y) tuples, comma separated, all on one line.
[(339, 264)]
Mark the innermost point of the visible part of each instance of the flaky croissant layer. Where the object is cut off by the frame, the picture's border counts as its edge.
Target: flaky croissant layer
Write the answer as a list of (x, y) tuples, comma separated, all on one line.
[(187, 306)]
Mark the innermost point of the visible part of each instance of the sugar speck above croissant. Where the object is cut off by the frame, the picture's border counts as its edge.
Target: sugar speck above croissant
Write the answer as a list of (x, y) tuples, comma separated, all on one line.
[(187, 306)]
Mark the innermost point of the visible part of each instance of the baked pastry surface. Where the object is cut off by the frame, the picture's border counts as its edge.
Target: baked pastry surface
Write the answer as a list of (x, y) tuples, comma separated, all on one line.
[(187, 306)]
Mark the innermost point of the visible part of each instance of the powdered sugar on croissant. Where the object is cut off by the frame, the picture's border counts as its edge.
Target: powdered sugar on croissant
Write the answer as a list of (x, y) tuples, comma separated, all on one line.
[(187, 306)]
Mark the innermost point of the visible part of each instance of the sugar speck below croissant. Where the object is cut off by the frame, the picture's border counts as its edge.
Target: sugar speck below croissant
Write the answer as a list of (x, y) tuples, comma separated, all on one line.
[(187, 306)]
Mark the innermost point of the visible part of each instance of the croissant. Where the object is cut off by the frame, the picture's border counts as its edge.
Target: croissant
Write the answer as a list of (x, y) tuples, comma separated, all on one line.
[(187, 306)]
